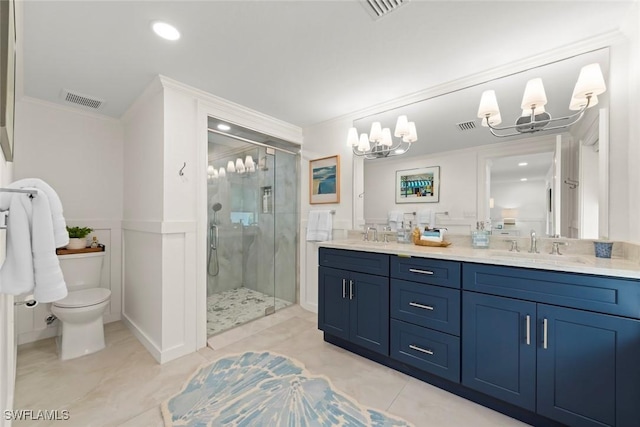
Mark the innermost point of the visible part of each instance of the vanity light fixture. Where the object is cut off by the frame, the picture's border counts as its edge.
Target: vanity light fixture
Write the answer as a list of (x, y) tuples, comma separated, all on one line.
[(379, 142), (164, 30), (534, 118), (222, 173), (230, 166)]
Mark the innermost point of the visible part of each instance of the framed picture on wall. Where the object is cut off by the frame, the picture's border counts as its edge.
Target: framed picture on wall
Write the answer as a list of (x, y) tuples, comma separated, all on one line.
[(324, 180), (7, 76), (421, 185)]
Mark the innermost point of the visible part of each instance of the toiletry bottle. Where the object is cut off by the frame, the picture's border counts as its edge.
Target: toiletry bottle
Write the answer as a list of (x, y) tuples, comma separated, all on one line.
[(265, 201)]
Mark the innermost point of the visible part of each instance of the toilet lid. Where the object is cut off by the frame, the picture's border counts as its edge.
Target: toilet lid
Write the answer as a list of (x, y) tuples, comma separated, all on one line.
[(84, 298)]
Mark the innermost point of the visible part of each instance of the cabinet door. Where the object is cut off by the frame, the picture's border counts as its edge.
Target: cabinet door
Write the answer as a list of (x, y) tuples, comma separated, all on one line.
[(499, 351), (333, 301), (369, 312), (589, 372)]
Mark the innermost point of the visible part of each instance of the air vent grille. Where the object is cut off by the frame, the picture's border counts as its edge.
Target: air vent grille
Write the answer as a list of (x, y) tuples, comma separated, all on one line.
[(462, 126), (84, 100), (379, 8)]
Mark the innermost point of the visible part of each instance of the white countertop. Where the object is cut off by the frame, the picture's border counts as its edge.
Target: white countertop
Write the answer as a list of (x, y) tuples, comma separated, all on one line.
[(586, 264)]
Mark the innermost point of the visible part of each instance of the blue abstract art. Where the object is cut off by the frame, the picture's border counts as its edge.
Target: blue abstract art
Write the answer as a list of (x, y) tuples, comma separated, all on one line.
[(266, 389)]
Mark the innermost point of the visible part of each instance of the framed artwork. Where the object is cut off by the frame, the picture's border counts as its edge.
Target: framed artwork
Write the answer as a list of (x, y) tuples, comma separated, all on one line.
[(421, 185), (7, 76), (324, 180)]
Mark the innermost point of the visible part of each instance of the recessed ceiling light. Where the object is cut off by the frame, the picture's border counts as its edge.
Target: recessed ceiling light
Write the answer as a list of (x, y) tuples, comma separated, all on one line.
[(166, 31), (523, 179), (400, 151), (222, 126), (523, 164)]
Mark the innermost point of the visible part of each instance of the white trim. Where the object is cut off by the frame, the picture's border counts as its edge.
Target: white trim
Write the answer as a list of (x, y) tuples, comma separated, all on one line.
[(153, 89), (147, 342), (160, 227), (604, 192), (70, 109)]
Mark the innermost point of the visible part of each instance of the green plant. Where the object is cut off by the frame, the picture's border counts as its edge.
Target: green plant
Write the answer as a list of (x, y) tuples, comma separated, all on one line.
[(78, 232)]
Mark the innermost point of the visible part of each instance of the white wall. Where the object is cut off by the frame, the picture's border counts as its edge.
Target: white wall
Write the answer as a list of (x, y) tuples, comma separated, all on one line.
[(633, 157), (529, 200), (80, 155)]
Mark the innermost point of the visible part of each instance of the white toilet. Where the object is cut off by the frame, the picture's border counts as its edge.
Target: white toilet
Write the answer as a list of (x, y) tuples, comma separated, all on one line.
[(80, 313)]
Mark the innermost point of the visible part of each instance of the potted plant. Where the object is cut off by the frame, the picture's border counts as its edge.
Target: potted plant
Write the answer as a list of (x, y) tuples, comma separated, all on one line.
[(78, 237)]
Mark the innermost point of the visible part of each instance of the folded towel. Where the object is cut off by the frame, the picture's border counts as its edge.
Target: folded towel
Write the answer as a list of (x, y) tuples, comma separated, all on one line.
[(61, 236), (395, 219), (319, 226), (31, 263)]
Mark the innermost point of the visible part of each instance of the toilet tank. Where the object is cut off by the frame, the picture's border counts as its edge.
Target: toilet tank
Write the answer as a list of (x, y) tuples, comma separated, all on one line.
[(82, 271)]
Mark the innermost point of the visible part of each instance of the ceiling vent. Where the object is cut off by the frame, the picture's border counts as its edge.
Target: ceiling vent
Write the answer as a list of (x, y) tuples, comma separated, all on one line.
[(84, 100), (379, 8), (462, 126)]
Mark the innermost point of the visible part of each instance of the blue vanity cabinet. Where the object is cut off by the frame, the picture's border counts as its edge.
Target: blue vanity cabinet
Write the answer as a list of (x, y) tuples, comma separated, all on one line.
[(568, 364), (425, 315), (499, 341), (353, 305)]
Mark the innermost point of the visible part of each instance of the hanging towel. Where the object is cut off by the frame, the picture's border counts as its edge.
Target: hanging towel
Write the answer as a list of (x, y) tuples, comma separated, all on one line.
[(395, 219), (426, 218), (31, 264), (61, 236), (319, 226)]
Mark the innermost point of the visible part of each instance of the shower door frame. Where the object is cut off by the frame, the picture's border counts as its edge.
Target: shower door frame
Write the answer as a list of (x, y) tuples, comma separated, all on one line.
[(237, 115)]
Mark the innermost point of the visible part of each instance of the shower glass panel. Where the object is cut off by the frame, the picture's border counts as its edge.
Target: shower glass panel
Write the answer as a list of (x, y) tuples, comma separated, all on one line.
[(252, 230)]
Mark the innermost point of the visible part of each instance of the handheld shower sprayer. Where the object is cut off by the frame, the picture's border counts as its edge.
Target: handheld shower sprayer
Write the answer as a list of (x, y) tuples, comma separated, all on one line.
[(213, 242)]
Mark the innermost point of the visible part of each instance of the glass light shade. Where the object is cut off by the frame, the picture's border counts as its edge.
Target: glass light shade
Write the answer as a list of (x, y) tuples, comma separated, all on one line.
[(215, 173), (251, 168), (386, 138), (222, 173), (352, 137), (364, 143), (412, 136), (210, 170), (509, 213), (248, 162), (239, 166), (494, 120), (491, 203), (402, 127), (375, 134), (577, 103), (488, 104), (534, 94), (590, 81), (230, 166)]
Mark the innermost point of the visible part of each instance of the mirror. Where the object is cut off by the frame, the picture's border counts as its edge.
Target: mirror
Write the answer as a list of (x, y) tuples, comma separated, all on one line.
[(474, 163)]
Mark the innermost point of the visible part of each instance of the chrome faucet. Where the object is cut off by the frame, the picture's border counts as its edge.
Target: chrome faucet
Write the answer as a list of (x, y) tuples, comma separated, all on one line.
[(534, 247), (555, 248), (514, 246)]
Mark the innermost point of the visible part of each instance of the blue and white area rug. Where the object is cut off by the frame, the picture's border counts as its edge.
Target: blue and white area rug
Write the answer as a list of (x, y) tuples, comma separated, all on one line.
[(266, 389)]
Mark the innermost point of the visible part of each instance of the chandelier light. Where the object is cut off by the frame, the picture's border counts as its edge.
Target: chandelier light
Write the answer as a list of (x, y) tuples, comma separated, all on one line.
[(379, 143), (534, 118)]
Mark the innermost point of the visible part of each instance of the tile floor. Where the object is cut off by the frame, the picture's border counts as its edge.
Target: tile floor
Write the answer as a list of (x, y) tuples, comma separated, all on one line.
[(124, 386), (235, 307)]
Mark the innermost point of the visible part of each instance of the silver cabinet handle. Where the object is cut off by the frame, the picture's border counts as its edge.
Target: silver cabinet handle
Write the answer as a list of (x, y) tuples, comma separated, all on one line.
[(544, 334), (344, 288), (415, 270), (350, 289), (528, 332), (416, 348), (415, 304)]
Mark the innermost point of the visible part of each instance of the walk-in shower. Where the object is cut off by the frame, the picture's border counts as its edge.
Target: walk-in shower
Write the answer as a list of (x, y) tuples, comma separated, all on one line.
[(252, 199)]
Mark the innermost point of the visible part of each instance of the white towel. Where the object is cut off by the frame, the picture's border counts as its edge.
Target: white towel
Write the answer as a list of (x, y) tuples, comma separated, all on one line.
[(426, 217), (395, 219), (319, 226), (31, 264), (61, 236)]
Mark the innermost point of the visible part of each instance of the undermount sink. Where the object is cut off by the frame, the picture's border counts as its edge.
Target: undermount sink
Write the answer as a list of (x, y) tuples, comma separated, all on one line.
[(538, 258)]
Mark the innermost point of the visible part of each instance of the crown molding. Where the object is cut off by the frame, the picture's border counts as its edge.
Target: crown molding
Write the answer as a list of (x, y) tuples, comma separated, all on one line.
[(69, 109)]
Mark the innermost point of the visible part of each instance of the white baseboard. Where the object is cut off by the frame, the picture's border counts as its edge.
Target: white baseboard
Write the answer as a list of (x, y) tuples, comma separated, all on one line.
[(151, 347)]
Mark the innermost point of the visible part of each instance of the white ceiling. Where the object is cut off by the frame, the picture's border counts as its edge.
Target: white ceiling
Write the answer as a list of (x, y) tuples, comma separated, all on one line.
[(300, 61), (507, 169)]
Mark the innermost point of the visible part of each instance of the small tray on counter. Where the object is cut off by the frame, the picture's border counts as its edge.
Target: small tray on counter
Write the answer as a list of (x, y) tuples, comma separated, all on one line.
[(418, 242)]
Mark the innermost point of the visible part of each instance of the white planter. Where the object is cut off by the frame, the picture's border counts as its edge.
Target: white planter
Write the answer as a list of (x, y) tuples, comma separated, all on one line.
[(77, 243)]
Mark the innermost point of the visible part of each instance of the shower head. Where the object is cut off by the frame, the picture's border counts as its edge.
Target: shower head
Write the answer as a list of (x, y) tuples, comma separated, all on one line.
[(216, 207)]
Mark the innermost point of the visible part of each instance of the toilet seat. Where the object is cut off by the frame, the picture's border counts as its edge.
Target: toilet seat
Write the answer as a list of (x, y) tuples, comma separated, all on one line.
[(84, 298)]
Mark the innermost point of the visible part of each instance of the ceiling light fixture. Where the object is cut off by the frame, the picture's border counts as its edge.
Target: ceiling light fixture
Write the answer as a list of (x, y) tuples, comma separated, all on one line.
[(166, 31), (534, 118), (523, 179), (224, 127), (523, 164), (383, 145)]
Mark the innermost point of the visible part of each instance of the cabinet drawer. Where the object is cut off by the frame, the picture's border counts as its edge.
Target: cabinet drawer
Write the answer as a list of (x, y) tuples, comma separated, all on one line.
[(425, 270), (434, 307), (594, 293), (363, 262), (426, 349)]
